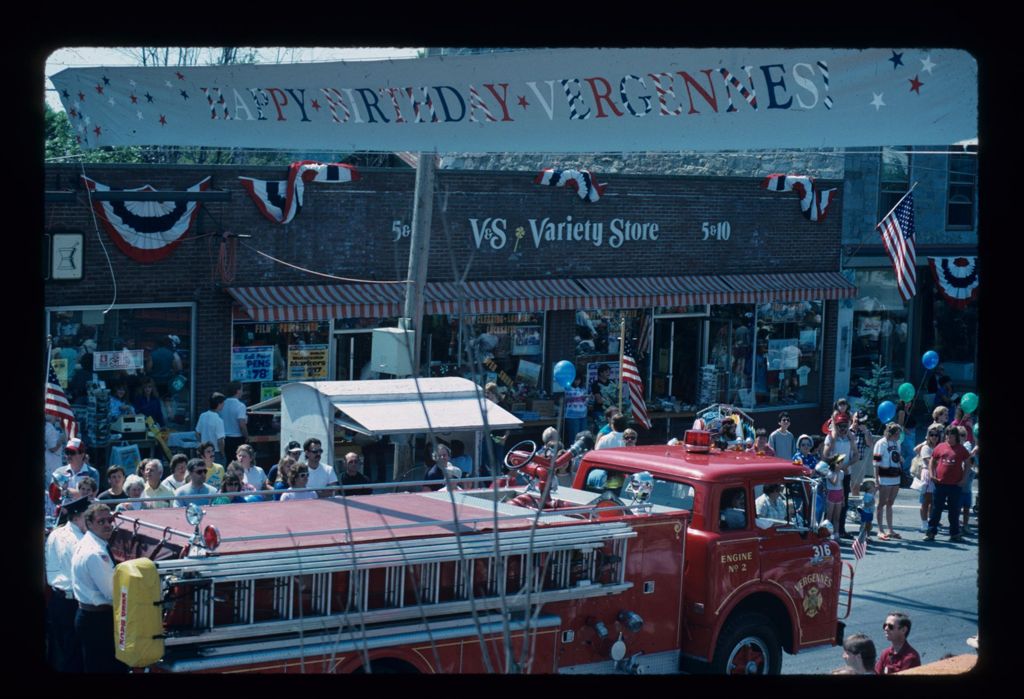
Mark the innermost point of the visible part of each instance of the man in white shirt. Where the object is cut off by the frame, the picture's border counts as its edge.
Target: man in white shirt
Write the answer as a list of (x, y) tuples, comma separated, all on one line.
[(210, 427), (92, 581), (235, 419), (320, 475), (65, 652)]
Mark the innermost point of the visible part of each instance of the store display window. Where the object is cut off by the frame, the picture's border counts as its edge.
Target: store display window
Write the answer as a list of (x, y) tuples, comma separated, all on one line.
[(145, 350), (881, 324), (787, 356), (266, 355), (951, 331)]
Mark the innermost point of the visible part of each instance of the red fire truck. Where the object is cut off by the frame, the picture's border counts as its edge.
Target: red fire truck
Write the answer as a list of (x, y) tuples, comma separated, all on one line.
[(653, 561)]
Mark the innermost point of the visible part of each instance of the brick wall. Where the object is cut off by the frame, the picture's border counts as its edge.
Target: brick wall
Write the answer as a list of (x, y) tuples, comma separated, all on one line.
[(349, 230)]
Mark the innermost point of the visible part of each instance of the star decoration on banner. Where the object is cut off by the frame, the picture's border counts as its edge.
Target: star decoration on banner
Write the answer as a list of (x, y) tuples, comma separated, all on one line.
[(897, 59), (138, 113), (111, 101), (180, 76), (66, 95), (132, 83), (97, 130), (183, 94), (99, 89), (315, 105), (926, 64), (106, 80), (88, 120), (915, 85), (81, 96), (522, 101), (73, 113), (135, 99), (163, 120), (877, 101), (149, 97), (168, 83)]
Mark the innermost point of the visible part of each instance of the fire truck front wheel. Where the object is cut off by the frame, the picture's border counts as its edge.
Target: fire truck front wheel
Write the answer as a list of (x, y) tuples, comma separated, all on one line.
[(748, 645)]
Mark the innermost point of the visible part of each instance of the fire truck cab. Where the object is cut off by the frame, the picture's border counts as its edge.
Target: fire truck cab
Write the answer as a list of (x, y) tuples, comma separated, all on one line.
[(759, 578)]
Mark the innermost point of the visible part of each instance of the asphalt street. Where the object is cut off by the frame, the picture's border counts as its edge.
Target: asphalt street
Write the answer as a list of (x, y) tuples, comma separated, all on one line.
[(935, 583)]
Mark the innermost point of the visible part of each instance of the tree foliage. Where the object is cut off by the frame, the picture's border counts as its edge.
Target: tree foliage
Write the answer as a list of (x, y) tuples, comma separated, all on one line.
[(875, 389)]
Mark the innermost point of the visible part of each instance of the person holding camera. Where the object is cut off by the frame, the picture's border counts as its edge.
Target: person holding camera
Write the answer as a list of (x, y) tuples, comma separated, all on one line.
[(888, 468)]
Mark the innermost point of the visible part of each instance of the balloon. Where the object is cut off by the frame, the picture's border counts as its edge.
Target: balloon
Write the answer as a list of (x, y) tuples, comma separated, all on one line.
[(969, 402), (930, 359), (565, 373), (906, 392), (886, 411), (252, 497)]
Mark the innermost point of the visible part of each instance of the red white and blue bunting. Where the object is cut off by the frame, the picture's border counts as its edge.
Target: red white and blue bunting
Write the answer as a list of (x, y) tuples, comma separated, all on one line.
[(580, 180), (146, 231), (956, 279), (281, 200), (813, 205)]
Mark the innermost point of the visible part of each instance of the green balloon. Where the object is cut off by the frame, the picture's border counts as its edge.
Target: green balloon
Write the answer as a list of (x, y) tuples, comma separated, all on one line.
[(969, 402), (906, 392)]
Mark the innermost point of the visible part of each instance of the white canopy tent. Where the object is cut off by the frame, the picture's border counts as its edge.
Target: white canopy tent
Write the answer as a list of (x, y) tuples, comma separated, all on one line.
[(384, 407)]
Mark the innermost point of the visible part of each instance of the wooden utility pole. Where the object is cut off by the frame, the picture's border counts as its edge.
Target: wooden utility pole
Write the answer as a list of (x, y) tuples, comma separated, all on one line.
[(419, 254)]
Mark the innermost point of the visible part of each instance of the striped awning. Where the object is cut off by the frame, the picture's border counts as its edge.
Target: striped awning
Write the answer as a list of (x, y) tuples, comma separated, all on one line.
[(297, 302), (642, 292)]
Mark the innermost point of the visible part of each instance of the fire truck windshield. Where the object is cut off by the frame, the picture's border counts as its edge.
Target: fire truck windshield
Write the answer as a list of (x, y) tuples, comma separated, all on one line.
[(670, 494)]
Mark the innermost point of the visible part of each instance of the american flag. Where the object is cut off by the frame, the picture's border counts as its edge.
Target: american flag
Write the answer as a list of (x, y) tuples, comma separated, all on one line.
[(57, 405), (860, 546), (897, 230), (630, 376)]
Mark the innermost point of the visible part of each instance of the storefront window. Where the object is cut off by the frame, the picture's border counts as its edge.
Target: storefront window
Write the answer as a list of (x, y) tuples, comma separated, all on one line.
[(787, 360), (952, 332), (880, 328), (266, 355), (727, 377), (963, 182), (506, 348), (131, 347), (895, 179)]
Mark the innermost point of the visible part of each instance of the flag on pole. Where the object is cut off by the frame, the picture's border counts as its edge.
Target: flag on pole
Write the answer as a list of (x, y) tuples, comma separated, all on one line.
[(860, 546), (630, 376), (57, 405), (897, 230)]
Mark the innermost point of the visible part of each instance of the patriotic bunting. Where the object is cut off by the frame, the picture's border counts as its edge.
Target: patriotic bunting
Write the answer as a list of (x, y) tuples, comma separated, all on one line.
[(281, 200), (57, 404), (956, 278), (630, 377), (146, 231), (897, 230), (580, 180), (813, 205)]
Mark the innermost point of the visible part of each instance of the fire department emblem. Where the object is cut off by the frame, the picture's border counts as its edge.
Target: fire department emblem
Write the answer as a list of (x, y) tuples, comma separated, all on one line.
[(813, 601)]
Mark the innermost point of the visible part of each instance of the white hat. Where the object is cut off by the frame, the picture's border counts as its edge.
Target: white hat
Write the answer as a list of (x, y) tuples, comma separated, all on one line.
[(74, 443)]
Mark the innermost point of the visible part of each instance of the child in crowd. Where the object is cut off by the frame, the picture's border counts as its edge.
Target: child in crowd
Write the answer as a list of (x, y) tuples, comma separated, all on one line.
[(782, 441), (87, 488), (834, 492), (760, 445), (867, 508)]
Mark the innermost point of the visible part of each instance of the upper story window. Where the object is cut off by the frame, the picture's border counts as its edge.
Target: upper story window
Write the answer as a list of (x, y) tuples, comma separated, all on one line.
[(894, 178), (962, 193)]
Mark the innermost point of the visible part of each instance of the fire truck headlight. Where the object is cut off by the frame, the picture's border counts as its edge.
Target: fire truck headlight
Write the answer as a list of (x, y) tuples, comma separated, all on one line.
[(633, 621), (194, 514), (211, 537)]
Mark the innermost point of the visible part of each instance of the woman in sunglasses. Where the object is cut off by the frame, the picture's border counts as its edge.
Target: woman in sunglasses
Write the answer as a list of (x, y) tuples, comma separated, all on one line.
[(936, 432), (298, 479)]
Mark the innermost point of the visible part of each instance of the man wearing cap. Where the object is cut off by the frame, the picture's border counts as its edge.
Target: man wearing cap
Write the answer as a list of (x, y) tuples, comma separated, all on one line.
[(77, 469), (65, 652), (92, 581), (196, 485), (838, 442)]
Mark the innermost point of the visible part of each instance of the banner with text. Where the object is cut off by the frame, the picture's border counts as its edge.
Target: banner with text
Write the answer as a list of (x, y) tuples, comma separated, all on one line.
[(252, 363), (558, 100)]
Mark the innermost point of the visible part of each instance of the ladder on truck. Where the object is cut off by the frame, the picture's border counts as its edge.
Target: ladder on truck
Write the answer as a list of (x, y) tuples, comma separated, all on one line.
[(359, 585)]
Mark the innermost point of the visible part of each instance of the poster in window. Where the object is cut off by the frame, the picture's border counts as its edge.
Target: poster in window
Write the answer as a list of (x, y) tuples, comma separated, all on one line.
[(869, 326), (66, 256), (528, 373), (252, 363), (307, 362), (808, 340), (526, 340), (118, 360)]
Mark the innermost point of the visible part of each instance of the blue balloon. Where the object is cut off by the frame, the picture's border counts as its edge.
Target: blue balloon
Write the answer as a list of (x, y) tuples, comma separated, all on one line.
[(886, 411), (253, 497), (565, 373), (930, 359)]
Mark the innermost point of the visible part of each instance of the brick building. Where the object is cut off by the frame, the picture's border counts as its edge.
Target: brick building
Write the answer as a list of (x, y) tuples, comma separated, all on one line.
[(727, 292)]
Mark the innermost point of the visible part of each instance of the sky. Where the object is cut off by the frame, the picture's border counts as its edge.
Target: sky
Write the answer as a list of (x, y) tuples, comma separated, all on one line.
[(90, 56)]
